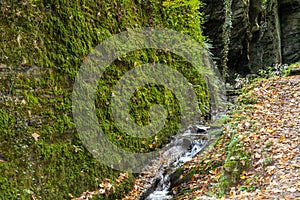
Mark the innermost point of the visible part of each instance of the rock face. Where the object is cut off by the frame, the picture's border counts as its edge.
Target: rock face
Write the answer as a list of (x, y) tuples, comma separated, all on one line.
[(264, 42), (289, 12), (263, 33), (213, 26)]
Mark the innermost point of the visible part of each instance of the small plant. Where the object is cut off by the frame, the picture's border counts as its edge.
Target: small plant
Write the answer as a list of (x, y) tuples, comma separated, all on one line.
[(247, 98), (267, 161), (281, 70), (276, 70), (269, 143)]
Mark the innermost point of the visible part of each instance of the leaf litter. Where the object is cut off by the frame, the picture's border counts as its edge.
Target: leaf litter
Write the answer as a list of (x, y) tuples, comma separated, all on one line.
[(274, 143), (270, 131)]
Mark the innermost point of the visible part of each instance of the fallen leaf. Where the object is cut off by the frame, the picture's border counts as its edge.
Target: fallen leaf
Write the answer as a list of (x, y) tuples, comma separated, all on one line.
[(291, 190), (35, 136)]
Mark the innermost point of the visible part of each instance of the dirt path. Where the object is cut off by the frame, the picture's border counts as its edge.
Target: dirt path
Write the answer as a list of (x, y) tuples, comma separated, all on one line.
[(274, 171), (278, 111)]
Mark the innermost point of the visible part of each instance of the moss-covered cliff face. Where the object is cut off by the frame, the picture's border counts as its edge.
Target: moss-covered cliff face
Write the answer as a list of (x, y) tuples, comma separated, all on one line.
[(263, 33), (42, 46)]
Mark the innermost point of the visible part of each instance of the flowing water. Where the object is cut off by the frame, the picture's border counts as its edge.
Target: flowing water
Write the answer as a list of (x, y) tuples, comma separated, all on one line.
[(181, 150)]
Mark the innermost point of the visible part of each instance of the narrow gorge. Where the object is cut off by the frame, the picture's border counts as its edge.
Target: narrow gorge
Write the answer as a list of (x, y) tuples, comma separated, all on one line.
[(46, 43)]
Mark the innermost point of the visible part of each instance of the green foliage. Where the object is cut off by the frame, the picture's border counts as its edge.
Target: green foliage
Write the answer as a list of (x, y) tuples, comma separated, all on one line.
[(276, 70), (247, 98), (237, 160), (5, 120), (179, 15), (54, 37)]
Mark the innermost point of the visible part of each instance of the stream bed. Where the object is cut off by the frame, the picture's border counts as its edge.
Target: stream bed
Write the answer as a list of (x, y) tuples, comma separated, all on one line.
[(158, 180)]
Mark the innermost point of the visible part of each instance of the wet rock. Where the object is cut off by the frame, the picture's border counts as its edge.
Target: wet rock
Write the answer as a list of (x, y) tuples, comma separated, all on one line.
[(2, 158), (146, 193), (201, 129), (176, 178)]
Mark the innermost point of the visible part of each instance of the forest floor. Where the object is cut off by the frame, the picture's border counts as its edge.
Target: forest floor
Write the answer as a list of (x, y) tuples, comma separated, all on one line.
[(270, 131), (258, 155)]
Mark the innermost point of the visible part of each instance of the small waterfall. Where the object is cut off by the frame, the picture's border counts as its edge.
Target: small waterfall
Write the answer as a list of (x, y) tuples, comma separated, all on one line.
[(183, 148)]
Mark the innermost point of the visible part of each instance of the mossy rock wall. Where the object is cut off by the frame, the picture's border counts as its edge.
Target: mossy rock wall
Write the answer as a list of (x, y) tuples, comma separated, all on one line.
[(43, 44)]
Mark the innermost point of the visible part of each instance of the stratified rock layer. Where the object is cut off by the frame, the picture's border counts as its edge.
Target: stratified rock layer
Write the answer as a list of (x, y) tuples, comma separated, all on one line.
[(290, 30), (263, 33)]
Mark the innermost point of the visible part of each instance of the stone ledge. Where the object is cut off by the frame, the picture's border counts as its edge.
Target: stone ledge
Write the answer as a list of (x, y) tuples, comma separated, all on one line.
[(295, 71)]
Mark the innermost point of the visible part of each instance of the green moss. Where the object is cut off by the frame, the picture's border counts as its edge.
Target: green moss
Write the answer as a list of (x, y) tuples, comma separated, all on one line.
[(52, 39)]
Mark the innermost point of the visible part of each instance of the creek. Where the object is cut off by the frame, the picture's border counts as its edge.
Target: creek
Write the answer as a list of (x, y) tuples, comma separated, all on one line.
[(180, 150)]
